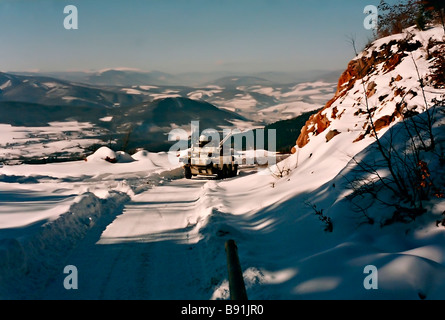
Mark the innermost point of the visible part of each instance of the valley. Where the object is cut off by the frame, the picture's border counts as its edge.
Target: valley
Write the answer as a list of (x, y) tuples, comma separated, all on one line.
[(138, 116)]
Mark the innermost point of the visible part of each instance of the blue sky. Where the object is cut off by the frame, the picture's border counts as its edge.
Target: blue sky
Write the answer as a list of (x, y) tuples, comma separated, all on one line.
[(182, 35)]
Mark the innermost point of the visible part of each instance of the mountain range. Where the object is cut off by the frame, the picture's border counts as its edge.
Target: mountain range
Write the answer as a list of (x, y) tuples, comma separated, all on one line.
[(130, 77), (141, 115), (51, 91)]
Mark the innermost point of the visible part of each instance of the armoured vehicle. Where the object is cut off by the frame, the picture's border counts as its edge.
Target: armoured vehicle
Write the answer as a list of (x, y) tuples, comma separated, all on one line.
[(208, 159)]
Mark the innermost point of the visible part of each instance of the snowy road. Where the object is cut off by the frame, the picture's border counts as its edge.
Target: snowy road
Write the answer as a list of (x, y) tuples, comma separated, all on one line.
[(150, 251)]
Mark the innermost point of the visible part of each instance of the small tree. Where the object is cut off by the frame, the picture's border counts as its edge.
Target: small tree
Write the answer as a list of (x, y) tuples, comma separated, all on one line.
[(408, 177), (329, 226), (421, 19), (436, 9), (126, 139), (394, 18)]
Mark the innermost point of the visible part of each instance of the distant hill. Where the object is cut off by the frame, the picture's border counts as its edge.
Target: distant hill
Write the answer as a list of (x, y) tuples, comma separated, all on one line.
[(141, 115), (51, 91), (144, 125), (130, 78), (235, 81), (36, 115), (148, 124), (298, 77), (287, 131)]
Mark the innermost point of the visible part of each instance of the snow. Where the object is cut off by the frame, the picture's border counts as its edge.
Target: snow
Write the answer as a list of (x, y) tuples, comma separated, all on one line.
[(268, 91), (70, 99), (38, 200), (215, 87), (288, 110), (199, 94), (311, 89), (5, 85), (240, 102), (266, 104), (102, 154), (132, 91), (148, 88), (106, 119), (170, 232), (157, 96), (28, 142), (7, 134), (50, 85), (136, 229)]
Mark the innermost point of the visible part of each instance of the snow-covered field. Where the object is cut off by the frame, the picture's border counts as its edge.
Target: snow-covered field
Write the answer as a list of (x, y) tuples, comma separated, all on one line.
[(271, 104), (59, 137), (260, 103)]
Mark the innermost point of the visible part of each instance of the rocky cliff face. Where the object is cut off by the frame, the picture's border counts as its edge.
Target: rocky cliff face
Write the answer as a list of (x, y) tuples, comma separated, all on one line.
[(383, 85)]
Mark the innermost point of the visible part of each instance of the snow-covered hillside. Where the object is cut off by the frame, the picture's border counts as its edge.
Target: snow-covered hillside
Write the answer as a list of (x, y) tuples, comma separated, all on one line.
[(51, 91), (135, 229), (261, 102), (382, 81), (269, 104)]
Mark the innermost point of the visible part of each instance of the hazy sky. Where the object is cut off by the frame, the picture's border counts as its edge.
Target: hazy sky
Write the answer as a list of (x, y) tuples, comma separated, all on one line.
[(181, 35)]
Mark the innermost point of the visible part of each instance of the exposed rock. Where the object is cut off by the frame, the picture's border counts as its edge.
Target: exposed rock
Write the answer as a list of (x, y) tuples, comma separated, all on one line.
[(303, 138), (359, 138), (437, 77), (334, 113), (316, 124), (393, 62), (383, 122), (399, 92), (372, 88), (331, 134)]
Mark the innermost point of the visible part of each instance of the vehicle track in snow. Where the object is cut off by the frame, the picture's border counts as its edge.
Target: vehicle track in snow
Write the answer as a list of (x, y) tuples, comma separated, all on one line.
[(152, 250)]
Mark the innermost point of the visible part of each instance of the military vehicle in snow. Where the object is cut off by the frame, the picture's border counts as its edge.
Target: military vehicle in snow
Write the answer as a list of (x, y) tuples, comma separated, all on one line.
[(210, 159)]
